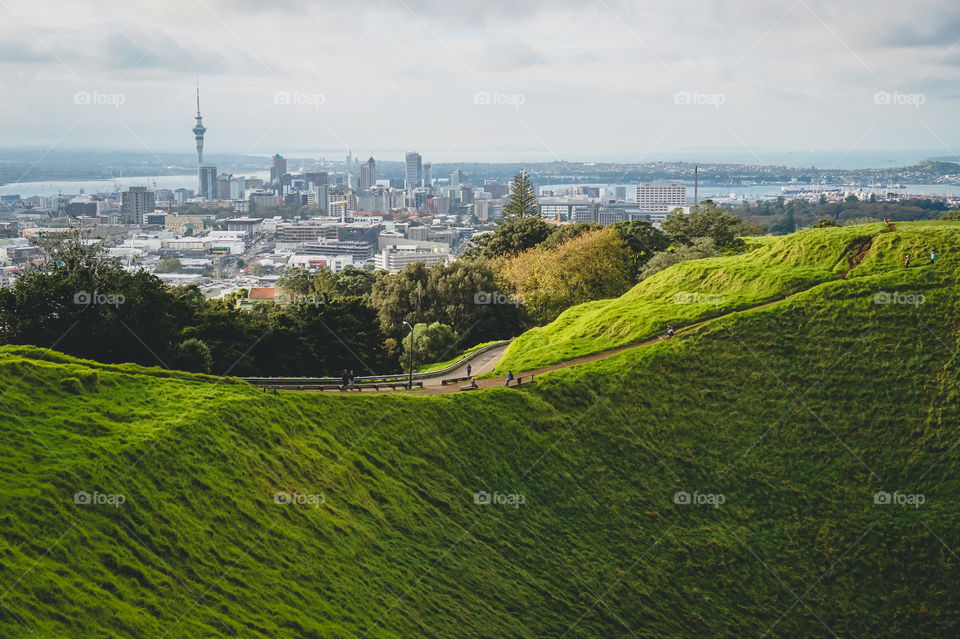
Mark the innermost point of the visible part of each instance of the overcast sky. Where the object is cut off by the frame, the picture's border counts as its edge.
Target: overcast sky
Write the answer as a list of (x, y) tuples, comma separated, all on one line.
[(508, 79)]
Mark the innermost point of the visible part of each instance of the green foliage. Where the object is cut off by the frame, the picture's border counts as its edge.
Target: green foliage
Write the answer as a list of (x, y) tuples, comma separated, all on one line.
[(169, 265), (194, 356), (399, 548), (825, 223), (564, 232), (431, 342), (457, 294), (591, 266), (951, 215), (510, 238), (698, 289), (88, 305), (706, 220), (644, 241), (702, 247), (522, 200)]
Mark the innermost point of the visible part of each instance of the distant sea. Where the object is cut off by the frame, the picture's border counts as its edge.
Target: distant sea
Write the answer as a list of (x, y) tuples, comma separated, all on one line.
[(74, 187), (819, 159), (822, 159), (752, 193)]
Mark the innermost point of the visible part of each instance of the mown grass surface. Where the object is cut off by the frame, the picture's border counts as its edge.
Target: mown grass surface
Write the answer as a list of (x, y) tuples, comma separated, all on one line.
[(692, 291), (797, 413)]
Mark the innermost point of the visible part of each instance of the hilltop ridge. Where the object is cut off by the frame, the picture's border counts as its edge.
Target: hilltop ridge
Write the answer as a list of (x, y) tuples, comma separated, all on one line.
[(749, 477)]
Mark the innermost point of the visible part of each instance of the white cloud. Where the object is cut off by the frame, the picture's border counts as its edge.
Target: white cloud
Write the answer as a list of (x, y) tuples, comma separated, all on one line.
[(597, 79)]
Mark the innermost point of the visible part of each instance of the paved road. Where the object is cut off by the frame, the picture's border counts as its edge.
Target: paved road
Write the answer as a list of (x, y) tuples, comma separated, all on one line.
[(483, 363)]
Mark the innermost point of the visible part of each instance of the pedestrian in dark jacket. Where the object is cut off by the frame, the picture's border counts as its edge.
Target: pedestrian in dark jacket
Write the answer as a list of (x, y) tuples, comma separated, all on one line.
[(351, 378), (509, 378), (346, 378)]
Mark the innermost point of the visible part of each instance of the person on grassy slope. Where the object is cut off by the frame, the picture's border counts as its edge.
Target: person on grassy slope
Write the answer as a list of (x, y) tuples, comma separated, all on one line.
[(906, 262), (669, 330), (509, 378), (933, 256)]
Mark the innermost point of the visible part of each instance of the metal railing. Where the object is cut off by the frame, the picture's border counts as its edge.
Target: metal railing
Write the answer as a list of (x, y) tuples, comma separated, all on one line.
[(372, 379)]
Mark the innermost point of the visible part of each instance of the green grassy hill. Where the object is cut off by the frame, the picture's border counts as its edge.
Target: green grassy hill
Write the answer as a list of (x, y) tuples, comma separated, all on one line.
[(794, 416), (699, 289)]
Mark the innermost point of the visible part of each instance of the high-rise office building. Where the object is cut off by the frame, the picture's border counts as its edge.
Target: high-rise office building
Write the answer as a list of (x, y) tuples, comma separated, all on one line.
[(198, 131), (427, 178), (208, 182), (278, 168), (368, 174), (661, 197), (413, 175), (136, 203), (457, 178)]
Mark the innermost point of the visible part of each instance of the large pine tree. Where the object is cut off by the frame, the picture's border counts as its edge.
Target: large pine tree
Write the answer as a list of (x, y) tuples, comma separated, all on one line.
[(522, 201)]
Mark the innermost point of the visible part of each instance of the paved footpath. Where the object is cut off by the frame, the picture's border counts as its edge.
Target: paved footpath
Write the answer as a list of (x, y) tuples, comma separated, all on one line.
[(488, 361), (483, 363)]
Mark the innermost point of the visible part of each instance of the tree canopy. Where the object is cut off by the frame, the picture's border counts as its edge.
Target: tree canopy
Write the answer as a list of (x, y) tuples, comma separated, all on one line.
[(522, 200), (593, 265)]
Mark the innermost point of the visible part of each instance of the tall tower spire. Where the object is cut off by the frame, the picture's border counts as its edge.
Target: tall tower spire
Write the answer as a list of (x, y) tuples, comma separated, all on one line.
[(198, 131)]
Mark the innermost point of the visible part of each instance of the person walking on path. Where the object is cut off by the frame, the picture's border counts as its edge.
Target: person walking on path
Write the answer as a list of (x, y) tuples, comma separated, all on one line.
[(469, 370), (906, 262), (669, 330), (346, 379), (509, 378), (350, 377), (933, 256)]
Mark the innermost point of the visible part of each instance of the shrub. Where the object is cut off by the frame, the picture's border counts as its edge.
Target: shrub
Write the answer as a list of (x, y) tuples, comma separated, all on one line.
[(194, 356)]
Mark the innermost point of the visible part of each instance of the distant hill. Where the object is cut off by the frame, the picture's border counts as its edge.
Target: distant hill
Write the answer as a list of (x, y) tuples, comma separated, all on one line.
[(786, 471)]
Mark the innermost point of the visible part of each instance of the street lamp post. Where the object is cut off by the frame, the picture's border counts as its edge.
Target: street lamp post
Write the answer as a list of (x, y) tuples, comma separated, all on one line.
[(410, 382)]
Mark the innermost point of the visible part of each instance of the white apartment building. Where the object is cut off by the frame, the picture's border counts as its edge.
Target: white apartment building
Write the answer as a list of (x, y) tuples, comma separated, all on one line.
[(394, 257), (661, 197), (335, 263)]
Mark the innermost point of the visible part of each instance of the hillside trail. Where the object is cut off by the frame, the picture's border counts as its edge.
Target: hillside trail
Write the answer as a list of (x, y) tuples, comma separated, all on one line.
[(853, 261), (530, 375)]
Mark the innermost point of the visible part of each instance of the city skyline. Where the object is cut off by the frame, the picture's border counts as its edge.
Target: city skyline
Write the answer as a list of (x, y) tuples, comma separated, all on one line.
[(613, 81)]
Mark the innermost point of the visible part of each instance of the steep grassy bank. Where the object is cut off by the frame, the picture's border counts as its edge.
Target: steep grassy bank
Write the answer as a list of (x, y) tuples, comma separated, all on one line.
[(699, 289), (797, 414)]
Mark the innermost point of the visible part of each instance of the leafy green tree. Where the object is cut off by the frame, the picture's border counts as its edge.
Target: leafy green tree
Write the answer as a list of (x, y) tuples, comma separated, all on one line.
[(595, 265), (460, 294), (432, 343), (194, 356), (522, 200), (644, 241), (563, 232), (509, 238), (787, 225), (702, 247), (296, 281), (706, 220), (825, 223), (951, 215), (169, 265), (353, 282), (83, 303)]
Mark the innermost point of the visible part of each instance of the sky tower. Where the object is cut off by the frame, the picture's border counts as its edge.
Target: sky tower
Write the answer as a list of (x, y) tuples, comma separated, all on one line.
[(198, 131)]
